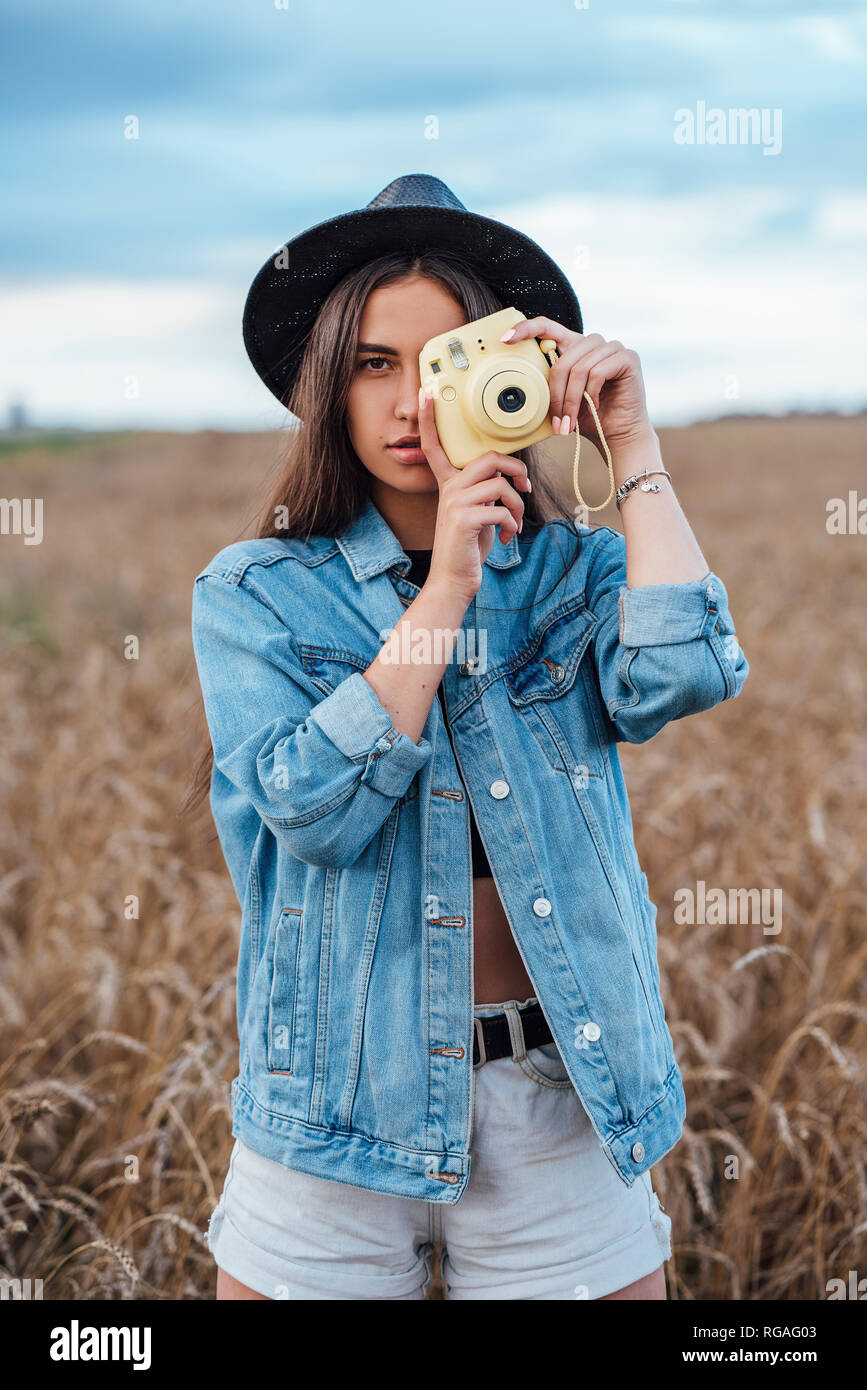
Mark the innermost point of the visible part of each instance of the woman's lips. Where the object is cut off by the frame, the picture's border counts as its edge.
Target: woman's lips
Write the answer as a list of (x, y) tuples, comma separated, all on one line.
[(407, 454)]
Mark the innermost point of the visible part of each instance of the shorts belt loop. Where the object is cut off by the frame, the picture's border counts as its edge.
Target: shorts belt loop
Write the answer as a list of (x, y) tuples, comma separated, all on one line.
[(516, 1030), (480, 1037)]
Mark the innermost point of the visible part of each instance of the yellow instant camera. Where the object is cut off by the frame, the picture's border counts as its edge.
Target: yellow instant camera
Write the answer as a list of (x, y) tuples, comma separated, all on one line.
[(490, 395), (487, 394)]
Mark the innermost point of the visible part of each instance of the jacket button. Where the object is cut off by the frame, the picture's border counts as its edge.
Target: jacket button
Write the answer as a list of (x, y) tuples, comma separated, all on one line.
[(638, 1152), (499, 789), (542, 907), (466, 667), (591, 1031), (557, 674)]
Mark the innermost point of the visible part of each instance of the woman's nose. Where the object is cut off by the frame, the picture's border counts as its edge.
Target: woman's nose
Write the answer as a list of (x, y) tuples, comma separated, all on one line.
[(409, 389)]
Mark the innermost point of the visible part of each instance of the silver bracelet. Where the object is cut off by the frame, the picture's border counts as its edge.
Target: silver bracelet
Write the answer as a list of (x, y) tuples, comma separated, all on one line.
[(639, 479)]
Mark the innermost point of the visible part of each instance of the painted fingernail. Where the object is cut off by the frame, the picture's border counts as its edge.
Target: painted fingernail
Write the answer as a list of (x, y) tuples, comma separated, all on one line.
[(565, 425), (529, 486), (510, 333)]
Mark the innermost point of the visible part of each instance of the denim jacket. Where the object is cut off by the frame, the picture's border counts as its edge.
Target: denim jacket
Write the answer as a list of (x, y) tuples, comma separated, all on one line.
[(349, 844)]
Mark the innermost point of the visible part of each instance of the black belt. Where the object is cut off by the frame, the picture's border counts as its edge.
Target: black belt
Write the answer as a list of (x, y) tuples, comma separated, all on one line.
[(492, 1038)]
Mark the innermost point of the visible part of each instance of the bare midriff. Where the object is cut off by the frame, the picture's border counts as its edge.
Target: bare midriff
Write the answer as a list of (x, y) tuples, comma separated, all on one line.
[(498, 970)]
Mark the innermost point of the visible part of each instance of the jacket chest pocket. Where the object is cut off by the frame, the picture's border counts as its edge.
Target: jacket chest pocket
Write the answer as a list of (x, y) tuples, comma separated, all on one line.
[(328, 667), (551, 684), (283, 1001)]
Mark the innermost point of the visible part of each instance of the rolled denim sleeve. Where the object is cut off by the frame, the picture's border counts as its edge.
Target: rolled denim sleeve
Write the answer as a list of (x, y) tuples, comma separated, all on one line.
[(322, 773), (663, 651)]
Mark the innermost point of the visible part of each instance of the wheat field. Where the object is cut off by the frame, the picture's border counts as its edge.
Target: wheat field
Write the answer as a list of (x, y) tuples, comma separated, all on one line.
[(119, 923)]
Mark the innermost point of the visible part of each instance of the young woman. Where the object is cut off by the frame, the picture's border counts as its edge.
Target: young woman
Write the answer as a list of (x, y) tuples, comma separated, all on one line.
[(415, 678)]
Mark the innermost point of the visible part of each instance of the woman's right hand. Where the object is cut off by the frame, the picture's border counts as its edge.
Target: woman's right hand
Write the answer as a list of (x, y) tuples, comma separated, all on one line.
[(474, 502)]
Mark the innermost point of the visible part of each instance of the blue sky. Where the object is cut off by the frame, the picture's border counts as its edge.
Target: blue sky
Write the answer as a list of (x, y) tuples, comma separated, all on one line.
[(738, 276)]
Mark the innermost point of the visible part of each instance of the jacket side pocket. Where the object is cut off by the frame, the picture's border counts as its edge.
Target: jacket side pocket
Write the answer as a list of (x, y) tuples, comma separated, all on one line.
[(284, 991)]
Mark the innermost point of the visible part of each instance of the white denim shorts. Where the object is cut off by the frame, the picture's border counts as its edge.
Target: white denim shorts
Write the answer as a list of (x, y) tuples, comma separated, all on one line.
[(544, 1214)]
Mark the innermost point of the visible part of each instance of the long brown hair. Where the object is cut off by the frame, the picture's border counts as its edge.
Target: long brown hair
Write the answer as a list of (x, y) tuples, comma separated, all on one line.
[(322, 485)]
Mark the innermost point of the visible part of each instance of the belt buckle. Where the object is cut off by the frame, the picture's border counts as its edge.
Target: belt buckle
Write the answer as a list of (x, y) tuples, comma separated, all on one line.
[(483, 1056)]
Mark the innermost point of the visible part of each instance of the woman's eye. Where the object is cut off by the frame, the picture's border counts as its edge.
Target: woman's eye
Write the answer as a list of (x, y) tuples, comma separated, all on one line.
[(367, 361)]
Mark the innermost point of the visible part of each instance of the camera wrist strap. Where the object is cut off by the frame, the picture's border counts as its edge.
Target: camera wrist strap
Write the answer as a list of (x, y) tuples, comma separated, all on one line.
[(551, 351), (604, 443)]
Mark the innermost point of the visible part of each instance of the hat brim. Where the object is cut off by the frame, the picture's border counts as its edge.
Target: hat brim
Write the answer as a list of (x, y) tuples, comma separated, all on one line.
[(284, 299)]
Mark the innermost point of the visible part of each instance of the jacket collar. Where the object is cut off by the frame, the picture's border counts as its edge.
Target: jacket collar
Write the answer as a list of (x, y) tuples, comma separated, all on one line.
[(371, 547)]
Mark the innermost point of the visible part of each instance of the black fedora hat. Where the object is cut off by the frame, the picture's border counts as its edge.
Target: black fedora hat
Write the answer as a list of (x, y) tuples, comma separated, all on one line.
[(414, 213)]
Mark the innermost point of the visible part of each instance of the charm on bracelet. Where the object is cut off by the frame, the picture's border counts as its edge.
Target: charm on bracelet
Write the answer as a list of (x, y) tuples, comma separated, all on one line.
[(639, 480)]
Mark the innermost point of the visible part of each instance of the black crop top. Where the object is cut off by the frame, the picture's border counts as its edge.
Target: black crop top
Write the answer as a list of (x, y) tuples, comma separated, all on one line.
[(417, 574)]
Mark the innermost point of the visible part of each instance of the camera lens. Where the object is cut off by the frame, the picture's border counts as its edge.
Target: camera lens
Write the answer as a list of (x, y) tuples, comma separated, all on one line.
[(512, 398)]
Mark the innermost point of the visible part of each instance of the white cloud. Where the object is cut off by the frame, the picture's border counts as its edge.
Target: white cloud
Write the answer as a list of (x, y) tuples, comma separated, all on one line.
[(842, 42), (704, 291), (78, 352), (842, 217), (703, 286)]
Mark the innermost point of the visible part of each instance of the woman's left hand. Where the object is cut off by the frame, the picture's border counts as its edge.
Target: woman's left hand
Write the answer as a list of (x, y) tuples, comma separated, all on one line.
[(609, 372)]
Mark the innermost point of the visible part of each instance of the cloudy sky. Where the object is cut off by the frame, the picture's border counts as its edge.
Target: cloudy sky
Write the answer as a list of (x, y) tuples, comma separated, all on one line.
[(735, 268)]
